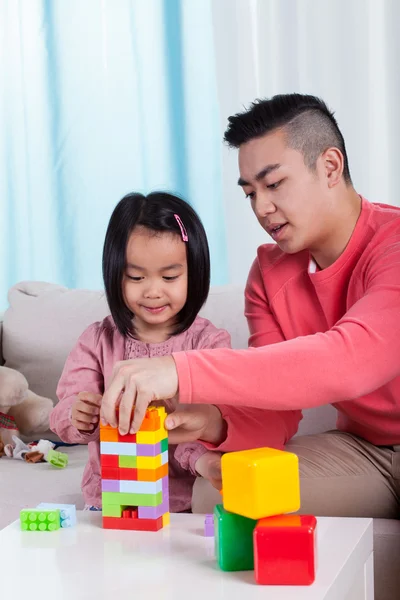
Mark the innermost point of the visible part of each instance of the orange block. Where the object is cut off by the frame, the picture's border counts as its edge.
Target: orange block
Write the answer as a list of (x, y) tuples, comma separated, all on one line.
[(152, 474), (109, 435)]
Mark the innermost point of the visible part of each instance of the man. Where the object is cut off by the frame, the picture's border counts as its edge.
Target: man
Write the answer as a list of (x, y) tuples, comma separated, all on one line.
[(323, 307)]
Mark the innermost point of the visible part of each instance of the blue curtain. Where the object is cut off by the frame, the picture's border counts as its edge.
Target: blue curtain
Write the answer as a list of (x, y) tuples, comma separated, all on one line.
[(99, 98)]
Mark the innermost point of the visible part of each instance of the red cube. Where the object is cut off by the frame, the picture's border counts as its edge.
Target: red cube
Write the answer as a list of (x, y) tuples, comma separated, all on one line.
[(285, 550)]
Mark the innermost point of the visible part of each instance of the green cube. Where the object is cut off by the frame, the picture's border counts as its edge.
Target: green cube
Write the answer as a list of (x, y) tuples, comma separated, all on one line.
[(32, 519), (233, 540), (164, 444), (129, 499), (127, 462)]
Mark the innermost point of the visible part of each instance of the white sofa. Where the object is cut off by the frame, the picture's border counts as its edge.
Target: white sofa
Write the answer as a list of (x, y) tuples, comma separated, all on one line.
[(38, 330)]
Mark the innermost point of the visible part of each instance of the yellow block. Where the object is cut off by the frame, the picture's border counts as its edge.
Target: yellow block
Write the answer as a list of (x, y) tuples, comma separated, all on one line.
[(260, 483), (148, 462), (150, 437), (165, 519)]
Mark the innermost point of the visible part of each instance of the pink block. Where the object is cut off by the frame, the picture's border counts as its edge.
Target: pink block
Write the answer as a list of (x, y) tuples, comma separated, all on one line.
[(109, 485)]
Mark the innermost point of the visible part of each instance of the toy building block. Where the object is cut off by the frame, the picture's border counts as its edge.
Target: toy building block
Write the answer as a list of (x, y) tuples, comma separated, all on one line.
[(285, 550), (260, 483), (33, 519), (67, 513), (57, 459), (209, 526), (135, 475), (233, 540)]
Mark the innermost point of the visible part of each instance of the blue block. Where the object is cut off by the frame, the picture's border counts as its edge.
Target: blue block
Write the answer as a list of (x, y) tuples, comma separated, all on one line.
[(118, 448), (140, 487), (67, 512)]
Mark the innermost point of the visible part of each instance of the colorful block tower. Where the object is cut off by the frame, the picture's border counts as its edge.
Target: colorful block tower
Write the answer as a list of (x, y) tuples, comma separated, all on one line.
[(134, 471), (252, 529)]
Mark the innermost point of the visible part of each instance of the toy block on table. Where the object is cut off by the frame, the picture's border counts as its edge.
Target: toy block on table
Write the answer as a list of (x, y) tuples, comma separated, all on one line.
[(285, 550), (209, 526), (260, 483), (233, 540), (33, 519), (67, 513), (135, 475)]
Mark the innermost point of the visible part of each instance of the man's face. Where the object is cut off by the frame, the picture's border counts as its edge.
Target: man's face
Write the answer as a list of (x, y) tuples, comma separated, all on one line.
[(289, 200)]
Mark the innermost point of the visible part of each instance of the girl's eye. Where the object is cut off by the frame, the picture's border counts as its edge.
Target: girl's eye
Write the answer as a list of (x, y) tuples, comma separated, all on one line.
[(134, 278), (171, 278), (250, 195)]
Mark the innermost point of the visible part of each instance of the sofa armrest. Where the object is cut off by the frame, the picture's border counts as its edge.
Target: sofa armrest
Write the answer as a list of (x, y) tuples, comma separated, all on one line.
[(1, 340)]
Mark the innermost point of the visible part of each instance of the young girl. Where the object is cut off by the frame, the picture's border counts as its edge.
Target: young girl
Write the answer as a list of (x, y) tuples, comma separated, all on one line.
[(156, 271)]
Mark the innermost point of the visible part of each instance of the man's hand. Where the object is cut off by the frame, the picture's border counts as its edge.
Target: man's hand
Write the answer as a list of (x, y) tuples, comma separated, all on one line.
[(137, 383), (191, 422)]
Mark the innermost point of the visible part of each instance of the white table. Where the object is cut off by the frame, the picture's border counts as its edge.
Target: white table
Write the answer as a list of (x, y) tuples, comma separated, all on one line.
[(176, 563)]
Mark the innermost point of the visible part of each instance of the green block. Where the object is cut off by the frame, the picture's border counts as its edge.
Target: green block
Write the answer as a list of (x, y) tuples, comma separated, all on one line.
[(112, 510), (32, 519), (164, 444), (233, 540), (127, 499), (129, 462), (57, 459)]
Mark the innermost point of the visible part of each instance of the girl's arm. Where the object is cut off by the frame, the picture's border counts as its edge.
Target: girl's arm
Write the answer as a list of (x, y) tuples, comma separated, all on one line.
[(82, 373)]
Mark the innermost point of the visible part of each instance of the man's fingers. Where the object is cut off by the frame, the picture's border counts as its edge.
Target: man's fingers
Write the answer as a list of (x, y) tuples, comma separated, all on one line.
[(143, 399), (110, 399), (125, 407)]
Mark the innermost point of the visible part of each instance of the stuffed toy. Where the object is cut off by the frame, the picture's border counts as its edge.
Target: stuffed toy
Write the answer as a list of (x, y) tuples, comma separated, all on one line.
[(21, 411)]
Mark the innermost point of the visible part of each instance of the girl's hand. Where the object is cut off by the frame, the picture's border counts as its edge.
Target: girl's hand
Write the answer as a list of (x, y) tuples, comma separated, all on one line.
[(85, 412), (209, 467), (137, 383)]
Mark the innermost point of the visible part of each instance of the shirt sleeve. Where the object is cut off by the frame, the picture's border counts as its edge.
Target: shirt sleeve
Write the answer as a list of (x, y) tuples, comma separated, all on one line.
[(358, 355), (82, 373)]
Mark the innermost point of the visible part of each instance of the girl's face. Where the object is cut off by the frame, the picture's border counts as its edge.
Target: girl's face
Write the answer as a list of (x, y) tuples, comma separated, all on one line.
[(155, 282)]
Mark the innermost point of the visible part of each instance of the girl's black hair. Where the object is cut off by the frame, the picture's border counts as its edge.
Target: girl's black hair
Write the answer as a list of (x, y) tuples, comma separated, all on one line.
[(155, 212)]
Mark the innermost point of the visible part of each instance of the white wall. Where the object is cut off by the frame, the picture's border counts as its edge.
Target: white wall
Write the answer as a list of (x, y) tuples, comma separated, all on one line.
[(344, 51)]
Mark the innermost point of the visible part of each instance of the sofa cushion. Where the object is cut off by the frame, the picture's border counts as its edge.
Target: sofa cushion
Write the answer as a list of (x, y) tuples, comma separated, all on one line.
[(44, 321)]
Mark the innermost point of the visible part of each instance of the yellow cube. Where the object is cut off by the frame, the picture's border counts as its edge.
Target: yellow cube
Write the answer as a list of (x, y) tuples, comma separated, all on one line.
[(260, 483), (165, 519)]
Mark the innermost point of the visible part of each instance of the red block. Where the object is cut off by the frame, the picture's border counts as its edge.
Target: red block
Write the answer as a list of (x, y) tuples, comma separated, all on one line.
[(128, 438), (285, 550), (130, 513), (128, 474), (110, 473), (132, 524), (108, 460)]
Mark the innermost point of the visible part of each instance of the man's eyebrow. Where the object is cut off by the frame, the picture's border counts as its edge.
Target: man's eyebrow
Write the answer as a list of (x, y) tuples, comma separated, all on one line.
[(261, 174)]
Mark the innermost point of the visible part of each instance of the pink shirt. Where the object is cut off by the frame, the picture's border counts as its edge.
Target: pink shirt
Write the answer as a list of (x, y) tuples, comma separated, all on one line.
[(328, 337), (89, 368)]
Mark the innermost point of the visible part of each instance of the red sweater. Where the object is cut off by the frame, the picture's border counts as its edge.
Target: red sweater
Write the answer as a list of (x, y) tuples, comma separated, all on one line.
[(338, 334)]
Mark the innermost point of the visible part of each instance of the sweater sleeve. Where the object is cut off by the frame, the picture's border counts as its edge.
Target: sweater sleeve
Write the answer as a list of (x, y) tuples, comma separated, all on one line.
[(358, 355), (82, 373)]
